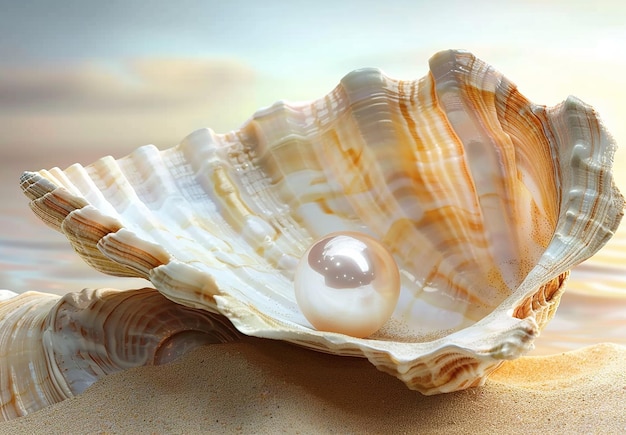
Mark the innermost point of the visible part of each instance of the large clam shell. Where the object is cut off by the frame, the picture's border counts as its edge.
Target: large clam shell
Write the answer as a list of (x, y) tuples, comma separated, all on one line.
[(54, 347), (485, 200)]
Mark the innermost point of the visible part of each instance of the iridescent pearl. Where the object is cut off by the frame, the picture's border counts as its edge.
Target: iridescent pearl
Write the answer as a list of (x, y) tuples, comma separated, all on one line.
[(347, 282)]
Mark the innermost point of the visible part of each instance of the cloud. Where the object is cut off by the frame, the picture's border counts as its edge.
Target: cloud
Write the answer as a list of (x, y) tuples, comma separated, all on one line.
[(119, 106), (131, 84)]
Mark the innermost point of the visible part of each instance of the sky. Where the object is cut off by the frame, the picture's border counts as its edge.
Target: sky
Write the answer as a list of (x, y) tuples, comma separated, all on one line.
[(118, 74)]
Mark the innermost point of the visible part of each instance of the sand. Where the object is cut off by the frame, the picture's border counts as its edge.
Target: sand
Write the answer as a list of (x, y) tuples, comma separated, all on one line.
[(263, 386)]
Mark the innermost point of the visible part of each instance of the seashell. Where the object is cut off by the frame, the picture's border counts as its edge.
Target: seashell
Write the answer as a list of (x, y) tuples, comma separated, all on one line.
[(53, 347), (484, 199)]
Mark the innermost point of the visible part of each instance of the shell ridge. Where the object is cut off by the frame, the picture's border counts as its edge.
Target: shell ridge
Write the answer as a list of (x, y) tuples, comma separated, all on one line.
[(458, 93), (451, 220), (582, 175)]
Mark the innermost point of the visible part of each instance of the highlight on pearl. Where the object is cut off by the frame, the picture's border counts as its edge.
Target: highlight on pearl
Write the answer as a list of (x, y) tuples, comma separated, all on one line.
[(347, 282)]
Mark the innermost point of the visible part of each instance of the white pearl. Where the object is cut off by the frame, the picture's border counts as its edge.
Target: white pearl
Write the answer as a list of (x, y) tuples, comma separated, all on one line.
[(348, 283)]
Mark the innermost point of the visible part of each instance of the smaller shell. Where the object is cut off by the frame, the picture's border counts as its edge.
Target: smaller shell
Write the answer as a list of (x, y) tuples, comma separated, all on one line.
[(52, 348)]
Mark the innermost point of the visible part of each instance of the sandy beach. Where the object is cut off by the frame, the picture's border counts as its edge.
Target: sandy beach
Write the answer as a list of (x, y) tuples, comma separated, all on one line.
[(262, 386)]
